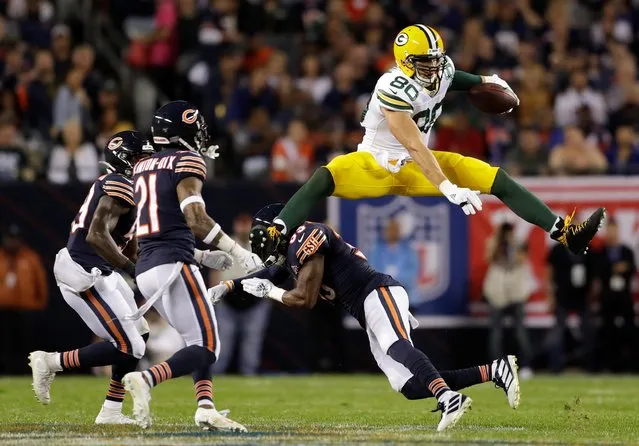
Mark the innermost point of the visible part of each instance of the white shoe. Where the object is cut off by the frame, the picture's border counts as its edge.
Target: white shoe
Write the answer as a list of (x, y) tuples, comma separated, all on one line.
[(505, 376), (453, 405), (211, 419), (140, 392), (112, 416), (43, 374)]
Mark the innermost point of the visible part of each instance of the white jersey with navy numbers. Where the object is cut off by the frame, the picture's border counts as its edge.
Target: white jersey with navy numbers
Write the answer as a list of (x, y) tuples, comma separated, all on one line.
[(398, 92)]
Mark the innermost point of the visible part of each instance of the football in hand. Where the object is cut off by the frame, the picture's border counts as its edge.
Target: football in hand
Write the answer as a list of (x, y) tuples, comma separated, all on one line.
[(492, 98)]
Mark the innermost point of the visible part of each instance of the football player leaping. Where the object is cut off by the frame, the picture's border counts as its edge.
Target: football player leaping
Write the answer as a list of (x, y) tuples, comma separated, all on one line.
[(84, 271), (171, 214), (393, 158), (326, 266)]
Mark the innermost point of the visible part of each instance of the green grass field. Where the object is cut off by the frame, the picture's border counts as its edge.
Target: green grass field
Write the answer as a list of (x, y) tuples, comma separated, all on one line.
[(330, 409)]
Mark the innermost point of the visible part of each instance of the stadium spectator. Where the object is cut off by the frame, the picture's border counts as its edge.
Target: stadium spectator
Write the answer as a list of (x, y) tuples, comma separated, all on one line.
[(578, 94), (393, 255), (35, 22), (23, 294), (13, 159), (61, 51), (160, 46), (292, 156), (534, 94), (312, 81), (83, 60), (577, 156), (623, 156), (242, 322), (110, 123), (71, 102), (507, 286), (615, 268), (457, 135), (38, 98), (569, 282), (74, 160), (248, 97), (252, 143), (529, 157)]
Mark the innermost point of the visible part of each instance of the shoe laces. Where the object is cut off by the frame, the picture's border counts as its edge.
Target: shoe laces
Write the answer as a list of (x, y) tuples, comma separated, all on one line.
[(564, 231)]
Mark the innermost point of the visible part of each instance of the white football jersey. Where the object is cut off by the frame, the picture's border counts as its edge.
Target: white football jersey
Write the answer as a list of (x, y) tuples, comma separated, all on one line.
[(396, 91)]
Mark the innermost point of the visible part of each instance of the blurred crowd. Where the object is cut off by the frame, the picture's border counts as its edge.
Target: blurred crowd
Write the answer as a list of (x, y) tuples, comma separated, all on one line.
[(283, 82)]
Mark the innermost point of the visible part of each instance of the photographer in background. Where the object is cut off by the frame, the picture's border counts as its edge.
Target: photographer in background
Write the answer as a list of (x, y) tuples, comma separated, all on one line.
[(507, 287), (568, 290), (615, 268)]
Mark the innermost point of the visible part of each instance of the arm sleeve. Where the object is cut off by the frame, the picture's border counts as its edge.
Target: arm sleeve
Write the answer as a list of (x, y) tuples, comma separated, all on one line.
[(463, 81), (190, 165), (117, 187)]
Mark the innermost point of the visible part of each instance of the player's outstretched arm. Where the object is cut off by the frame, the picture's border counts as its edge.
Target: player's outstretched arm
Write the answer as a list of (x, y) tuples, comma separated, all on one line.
[(305, 293), (407, 133), (189, 192), (104, 220)]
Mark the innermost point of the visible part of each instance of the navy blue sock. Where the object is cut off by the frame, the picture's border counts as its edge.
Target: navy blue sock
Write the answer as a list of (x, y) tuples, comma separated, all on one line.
[(183, 362), (94, 355), (456, 380), (418, 363), (116, 389), (203, 385)]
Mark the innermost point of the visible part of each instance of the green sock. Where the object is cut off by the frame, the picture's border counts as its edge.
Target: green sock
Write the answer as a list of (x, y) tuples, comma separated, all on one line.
[(522, 202), (301, 204)]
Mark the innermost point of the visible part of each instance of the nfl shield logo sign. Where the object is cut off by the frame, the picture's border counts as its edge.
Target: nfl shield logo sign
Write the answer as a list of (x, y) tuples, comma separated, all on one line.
[(427, 231)]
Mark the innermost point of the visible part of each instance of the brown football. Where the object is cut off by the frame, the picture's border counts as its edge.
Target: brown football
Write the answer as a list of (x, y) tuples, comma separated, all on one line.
[(492, 98)]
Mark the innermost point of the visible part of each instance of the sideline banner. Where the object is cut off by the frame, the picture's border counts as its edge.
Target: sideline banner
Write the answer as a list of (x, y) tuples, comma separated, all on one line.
[(434, 231), (450, 247)]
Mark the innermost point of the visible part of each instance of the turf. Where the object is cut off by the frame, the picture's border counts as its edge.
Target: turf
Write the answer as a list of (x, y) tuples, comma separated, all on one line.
[(330, 409)]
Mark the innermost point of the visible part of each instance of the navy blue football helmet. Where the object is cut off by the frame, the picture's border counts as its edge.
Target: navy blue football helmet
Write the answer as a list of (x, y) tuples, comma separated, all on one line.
[(180, 124), (124, 149)]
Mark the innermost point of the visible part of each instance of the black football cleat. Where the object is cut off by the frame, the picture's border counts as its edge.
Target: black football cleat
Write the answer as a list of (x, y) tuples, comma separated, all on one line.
[(577, 237)]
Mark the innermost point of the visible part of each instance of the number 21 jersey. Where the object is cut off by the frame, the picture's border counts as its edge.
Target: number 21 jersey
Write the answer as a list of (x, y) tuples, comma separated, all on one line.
[(397, 92), (163, 235)]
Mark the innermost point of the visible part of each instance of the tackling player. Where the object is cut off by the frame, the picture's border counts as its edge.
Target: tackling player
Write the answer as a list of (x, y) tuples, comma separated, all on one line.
[(393, 158), (170, 215), (329, 268)]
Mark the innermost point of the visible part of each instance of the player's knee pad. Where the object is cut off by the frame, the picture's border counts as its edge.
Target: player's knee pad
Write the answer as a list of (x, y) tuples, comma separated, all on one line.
[(206, 356), (143, 327), (401, 351), (414, 390), (138, 346)]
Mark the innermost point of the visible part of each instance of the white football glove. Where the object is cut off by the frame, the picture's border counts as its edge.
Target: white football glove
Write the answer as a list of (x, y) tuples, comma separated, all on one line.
[(462, 196), (257, 287), (251, 263), (217, 292), (495, 79), (218, 260)]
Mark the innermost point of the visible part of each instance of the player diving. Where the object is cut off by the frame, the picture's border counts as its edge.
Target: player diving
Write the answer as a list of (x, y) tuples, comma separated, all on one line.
[(327, 267), (394, 158), (101, 243)]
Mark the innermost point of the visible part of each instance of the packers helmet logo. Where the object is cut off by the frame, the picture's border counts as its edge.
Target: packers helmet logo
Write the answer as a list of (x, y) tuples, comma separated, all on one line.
[(401, 39), (115, 143), (189, 116)]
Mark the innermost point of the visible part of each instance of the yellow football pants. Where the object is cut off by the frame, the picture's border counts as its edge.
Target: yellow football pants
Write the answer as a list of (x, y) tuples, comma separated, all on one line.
[(358, 175)]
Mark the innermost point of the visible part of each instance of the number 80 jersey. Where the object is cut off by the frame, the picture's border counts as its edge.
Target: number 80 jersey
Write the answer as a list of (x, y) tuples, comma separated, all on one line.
[(396, 91)]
